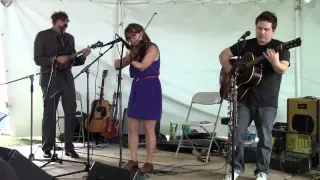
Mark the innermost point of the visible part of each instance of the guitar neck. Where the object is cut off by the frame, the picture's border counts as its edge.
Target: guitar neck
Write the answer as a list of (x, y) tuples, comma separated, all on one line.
[(101, 91), (259, 59), (75, 54)]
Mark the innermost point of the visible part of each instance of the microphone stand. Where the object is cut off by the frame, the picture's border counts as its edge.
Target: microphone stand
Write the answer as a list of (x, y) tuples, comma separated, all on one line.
[(233, 97), (86, 70), (119, 108), (31, 77)]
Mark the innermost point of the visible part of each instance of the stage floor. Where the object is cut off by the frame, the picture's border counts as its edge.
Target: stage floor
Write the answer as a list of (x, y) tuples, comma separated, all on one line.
[(163, 160)]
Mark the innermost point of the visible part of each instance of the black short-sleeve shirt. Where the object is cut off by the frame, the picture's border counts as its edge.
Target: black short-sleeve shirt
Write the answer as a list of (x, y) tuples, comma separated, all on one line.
[(266, 93)]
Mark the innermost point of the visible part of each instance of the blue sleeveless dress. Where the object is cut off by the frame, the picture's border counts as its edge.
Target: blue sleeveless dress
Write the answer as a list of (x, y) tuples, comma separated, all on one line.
[(145, 101)]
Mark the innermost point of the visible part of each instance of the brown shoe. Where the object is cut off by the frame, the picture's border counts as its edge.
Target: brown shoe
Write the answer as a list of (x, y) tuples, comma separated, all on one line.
[(132, 165), (147, 168)]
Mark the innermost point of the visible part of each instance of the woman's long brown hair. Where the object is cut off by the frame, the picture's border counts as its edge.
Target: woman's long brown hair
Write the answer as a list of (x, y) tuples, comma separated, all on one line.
[(136, 28)]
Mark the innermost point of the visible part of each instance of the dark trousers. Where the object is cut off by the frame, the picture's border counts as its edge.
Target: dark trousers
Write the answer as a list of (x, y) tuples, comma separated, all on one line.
[(263, 118), (68, 100)]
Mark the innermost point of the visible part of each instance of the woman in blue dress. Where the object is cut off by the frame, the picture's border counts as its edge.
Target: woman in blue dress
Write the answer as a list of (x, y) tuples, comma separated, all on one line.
[(145, 101)]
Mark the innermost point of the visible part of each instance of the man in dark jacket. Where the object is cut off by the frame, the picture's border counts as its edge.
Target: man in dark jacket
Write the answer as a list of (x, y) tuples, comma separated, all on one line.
[(52, 48)]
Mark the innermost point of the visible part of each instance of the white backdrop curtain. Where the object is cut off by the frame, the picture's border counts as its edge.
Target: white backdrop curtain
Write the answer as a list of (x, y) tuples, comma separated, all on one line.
[(190, 36), (4, 126)]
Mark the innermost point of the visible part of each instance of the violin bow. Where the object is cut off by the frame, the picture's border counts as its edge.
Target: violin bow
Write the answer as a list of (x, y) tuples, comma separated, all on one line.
[(143, 31)]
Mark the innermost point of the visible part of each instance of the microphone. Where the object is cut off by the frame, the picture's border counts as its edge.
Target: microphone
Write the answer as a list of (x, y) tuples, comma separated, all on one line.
[(245, 35), (124, 42), (119, 39), (63, 28)]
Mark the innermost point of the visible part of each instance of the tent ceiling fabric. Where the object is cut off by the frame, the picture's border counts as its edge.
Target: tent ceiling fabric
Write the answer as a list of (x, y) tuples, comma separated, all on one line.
[(193, 1), (171, 1), (6, 3)]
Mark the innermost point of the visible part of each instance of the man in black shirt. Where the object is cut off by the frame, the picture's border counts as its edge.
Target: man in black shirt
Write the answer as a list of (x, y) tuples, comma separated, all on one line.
[(260, 103), (55, 45)]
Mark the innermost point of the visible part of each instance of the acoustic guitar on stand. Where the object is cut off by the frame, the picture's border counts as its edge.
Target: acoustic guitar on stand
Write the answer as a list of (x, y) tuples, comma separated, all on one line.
[(249, 71), (100, 109), (112, 123)]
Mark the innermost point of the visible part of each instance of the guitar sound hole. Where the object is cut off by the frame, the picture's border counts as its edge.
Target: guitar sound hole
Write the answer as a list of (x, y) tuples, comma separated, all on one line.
[(102, 110)]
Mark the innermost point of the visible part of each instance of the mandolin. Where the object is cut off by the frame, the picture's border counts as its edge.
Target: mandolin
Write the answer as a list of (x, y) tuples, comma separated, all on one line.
[(71, 58), (249, 71)]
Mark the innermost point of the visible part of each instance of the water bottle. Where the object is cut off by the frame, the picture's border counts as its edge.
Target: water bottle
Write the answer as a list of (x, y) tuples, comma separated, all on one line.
[(247, 137), (253, 134)]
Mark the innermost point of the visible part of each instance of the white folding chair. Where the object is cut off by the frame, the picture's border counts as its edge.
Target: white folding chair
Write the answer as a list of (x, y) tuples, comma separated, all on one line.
[(80, 116), (202, 98)]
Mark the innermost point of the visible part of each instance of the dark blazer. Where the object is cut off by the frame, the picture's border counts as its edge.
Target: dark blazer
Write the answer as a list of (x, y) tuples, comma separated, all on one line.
[(46, 51)]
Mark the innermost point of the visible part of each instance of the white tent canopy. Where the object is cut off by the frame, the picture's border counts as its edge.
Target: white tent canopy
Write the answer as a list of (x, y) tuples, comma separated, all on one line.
[(190, 35)]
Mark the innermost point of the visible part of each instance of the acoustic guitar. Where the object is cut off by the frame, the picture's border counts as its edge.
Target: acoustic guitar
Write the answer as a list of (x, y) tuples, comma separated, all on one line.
[(100, 109), (249, 71), (112, 123)]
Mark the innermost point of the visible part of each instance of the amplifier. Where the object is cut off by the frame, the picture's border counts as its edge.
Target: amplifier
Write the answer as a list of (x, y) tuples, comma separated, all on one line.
[(297, 157), (303, 115), (293, 163), (300, 143)]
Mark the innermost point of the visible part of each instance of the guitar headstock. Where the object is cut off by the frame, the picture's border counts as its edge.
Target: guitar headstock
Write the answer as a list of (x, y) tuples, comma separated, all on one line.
[(290, 44), (97, 44), (115, 96), (104, 73)]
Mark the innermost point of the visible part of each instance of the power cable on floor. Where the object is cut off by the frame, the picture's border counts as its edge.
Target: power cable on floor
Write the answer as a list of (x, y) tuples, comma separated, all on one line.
[(160, 172)]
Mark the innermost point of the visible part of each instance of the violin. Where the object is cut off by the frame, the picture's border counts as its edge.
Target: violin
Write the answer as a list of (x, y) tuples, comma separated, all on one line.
[(138, 51)]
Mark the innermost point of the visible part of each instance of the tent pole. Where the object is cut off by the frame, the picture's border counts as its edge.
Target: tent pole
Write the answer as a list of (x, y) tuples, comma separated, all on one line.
[(297, 22)]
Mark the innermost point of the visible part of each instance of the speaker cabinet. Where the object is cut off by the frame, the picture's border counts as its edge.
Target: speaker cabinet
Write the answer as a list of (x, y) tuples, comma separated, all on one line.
[(303, 116), (23, 167), (103, 171), (6, 171)]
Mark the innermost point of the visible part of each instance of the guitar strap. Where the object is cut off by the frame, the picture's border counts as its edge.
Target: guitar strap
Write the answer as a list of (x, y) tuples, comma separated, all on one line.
[(61, 45)]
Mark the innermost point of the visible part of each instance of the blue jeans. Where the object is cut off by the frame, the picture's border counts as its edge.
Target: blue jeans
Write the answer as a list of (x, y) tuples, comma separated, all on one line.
[(263, 118)]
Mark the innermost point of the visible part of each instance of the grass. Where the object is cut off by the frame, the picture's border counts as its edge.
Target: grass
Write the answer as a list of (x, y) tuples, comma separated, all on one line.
[(9, 141)]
